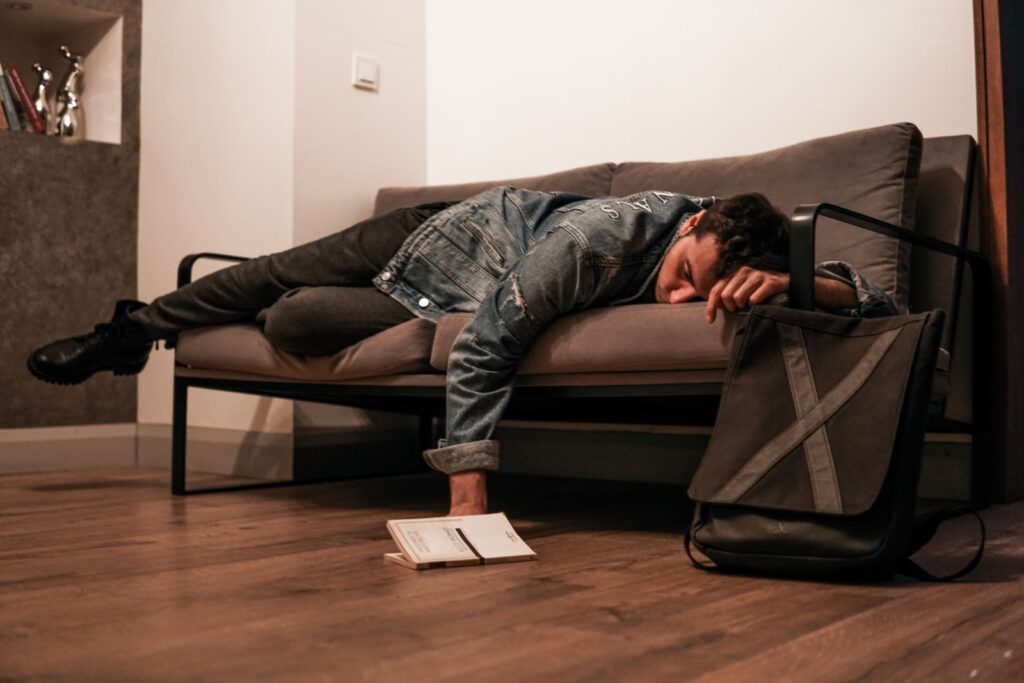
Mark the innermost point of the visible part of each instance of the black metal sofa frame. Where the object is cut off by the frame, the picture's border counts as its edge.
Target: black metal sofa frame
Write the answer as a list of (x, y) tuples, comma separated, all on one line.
[(661, 403)]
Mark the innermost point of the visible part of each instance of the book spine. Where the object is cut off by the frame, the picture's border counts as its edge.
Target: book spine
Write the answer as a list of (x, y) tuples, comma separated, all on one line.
[(8, 103), (3, 110), (34, 119)]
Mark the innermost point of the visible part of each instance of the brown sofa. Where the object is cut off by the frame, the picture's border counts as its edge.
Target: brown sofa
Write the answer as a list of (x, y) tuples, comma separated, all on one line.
[(649, 362)]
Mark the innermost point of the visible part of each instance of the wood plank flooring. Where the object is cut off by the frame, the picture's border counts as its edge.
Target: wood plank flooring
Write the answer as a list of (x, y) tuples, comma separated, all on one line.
[(104, 576)]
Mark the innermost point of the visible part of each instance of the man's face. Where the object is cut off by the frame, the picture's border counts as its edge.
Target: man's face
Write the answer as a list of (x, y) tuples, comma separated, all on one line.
[(688, 271)]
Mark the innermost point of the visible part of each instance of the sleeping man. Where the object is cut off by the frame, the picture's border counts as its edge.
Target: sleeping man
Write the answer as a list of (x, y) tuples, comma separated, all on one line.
[(515, 258)]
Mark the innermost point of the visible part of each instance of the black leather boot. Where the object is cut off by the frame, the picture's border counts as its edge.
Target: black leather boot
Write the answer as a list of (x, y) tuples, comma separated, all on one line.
[(121, 346)]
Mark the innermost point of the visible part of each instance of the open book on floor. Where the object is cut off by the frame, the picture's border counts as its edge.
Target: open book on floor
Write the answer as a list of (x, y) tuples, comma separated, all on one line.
[(430, 542)]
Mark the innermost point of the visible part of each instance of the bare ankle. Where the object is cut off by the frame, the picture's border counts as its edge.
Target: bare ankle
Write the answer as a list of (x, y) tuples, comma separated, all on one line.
[(468, 493)]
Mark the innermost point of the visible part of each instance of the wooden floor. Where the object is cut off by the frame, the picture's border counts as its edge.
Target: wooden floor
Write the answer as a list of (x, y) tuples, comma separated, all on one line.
[(104, 576)]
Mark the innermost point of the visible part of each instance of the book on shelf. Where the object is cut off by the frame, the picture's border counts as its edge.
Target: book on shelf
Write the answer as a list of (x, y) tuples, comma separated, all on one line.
[(433, 542), (8, 103), (18, 89)]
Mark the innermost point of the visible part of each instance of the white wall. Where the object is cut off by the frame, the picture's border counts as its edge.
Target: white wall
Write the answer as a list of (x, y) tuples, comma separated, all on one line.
[(350, 142), (254, 140), (543, 85), (217, 164)]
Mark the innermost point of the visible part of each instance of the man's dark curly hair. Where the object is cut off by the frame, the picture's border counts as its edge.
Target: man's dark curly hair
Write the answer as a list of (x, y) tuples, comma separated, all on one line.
[(751, 232)]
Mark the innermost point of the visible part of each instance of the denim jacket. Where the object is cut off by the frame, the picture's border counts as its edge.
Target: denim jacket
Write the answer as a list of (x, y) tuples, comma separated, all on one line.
[(519, 259)]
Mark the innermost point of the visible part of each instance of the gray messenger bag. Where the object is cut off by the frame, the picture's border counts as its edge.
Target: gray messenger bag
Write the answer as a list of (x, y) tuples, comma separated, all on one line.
[(813, 464)]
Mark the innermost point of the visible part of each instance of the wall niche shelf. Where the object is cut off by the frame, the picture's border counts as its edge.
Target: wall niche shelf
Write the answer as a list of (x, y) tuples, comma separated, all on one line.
[(32, 30), (69, 214)]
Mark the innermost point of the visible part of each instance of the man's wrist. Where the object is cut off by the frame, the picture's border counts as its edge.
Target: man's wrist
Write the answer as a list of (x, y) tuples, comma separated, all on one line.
[(832, 294)]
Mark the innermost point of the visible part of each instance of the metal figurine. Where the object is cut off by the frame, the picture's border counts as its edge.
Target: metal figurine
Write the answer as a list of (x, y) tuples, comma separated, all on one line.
[(41, 101), (68, 123)]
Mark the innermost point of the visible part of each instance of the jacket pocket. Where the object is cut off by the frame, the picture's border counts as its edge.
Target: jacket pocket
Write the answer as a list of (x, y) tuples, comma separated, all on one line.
[(456, 281), (485, 241)]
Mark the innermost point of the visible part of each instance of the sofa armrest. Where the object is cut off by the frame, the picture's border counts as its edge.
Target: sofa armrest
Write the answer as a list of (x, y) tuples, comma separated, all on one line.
[(185, 265), (801, 246)]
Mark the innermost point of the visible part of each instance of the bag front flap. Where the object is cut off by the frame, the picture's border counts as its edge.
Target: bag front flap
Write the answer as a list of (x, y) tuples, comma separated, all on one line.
[(809, 411)]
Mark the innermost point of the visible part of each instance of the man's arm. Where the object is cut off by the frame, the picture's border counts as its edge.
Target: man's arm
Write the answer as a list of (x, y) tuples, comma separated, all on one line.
[(549, 280), (838, 287), (872, 302)]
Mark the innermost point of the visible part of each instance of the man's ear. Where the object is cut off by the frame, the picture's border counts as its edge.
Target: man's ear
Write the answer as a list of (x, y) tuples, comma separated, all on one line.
[(690, 223)]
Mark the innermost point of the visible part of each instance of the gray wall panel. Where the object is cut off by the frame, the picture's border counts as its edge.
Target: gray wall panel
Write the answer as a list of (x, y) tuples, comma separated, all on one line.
[(68, 250)]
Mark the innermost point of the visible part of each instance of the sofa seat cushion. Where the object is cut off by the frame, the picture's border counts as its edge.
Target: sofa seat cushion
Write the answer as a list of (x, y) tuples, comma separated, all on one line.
[(242, 348), (637, 338), (873, 171), (595, 181)]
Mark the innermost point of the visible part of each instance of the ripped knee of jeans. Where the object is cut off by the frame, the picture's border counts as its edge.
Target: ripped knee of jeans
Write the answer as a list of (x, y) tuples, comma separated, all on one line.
[(517, 293)]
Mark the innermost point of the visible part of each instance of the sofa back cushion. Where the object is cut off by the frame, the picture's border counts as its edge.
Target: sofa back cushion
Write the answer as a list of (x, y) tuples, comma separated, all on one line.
[(872, 171), (943, 203), (595, 181)]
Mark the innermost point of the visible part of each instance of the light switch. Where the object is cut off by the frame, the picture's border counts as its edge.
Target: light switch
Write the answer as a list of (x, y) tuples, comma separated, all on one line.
[(365, 72)]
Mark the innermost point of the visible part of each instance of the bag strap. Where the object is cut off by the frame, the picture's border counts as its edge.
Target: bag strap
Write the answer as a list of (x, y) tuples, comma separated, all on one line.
[(706, 566), (924, 530)]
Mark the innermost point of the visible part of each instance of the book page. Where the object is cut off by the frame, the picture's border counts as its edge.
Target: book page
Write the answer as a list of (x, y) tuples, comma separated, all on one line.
[(470, 538), (493, 536), (432, 539), (400, 559)]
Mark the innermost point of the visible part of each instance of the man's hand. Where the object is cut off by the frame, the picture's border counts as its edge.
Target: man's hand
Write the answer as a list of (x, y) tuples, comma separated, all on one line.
[(468, 493), (748, 286), (745, 287)]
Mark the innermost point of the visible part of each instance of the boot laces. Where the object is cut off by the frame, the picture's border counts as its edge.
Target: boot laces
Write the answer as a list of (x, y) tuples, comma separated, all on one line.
[(101, 335)]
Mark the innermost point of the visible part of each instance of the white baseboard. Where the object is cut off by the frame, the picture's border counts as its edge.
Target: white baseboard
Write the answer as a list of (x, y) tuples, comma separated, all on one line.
[(221, 451), (42, 449), (667, 456), (259, 455)]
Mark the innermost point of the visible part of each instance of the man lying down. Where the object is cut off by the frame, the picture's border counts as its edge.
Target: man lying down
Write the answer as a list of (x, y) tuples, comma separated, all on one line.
[(516, 258)]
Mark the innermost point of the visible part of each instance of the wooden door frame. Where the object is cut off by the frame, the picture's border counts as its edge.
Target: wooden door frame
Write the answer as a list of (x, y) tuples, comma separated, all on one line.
[(999, 65)]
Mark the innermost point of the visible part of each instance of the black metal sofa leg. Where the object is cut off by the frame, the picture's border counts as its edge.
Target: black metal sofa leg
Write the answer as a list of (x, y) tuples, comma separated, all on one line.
[(179, 437), (428, 431), (179, 444)]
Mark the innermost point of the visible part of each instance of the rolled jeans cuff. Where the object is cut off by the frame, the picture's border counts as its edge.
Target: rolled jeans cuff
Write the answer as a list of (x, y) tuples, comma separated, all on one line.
[(462, 457)]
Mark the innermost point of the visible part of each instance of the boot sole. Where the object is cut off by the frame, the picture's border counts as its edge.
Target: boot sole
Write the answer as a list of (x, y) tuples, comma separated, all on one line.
[(70, 380)]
